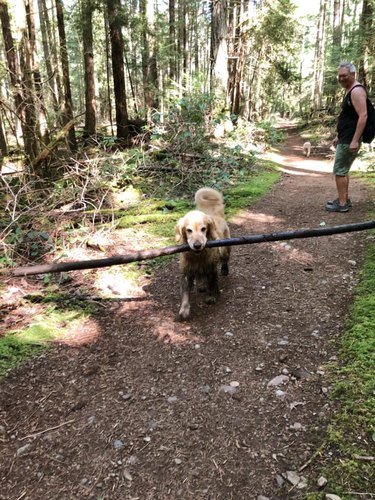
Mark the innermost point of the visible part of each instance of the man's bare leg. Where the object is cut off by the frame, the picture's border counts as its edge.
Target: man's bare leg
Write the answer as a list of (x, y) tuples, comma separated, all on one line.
[(342, 184)]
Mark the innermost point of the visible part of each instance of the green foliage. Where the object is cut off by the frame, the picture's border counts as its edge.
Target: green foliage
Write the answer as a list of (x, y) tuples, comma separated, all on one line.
[(162, 223), (187, 122), (192, 108), (351, 431), (278, 24), (277, 38), (32, 243), (272, 135)]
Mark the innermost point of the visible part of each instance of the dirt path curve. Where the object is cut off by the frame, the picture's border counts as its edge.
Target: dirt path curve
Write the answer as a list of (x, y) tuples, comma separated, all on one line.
[(158, 409)]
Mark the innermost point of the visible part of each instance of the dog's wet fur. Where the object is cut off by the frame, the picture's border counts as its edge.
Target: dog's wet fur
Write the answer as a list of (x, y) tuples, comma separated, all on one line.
[(201, 263)]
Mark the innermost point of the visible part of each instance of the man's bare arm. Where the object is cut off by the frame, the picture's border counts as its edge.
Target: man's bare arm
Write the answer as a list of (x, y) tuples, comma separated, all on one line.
[(358, 98)]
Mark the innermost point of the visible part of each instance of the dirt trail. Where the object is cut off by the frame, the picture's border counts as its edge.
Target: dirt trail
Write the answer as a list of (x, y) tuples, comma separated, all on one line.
[(159, 409)]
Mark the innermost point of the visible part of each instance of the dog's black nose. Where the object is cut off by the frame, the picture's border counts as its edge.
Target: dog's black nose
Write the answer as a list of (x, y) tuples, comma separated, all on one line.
[(197, 246)]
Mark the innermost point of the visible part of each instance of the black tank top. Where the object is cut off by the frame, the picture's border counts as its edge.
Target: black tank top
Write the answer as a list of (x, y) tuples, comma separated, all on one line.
[(347, 121)]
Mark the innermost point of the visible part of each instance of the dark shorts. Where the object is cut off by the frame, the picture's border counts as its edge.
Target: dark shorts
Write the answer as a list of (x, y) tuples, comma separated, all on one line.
[(343, 160)]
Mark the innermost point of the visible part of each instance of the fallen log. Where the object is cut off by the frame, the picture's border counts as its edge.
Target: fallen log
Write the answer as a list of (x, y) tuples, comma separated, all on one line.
[(152, 254), (54, 143)]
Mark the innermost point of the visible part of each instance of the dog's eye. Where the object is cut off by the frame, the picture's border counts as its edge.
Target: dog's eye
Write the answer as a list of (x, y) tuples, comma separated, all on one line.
[(203, 229), (189, 231)]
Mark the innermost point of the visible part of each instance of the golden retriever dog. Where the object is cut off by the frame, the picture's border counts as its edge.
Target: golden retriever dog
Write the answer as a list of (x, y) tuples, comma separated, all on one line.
[(306, 148), (201, 263)]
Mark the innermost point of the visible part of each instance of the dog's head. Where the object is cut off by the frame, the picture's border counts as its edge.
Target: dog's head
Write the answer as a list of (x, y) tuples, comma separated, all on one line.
[(195, 229)]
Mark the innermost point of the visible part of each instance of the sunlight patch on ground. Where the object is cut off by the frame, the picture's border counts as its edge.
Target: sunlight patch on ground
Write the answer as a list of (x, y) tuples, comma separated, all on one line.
[(87, 333), (133, 240), (299, 172), (286, 250), (81, 253), (112, 282), (168, 331), (255, 217), (126, 198), (300, 163), (305, 166), (11, 294)]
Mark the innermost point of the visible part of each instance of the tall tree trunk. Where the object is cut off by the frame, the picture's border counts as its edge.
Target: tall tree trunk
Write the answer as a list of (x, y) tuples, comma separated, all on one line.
[(41, 124), (317, 95), (13, 68), (184, 38), (172, 39), (338, 8), (195, 44), (366, 41), (149, 67), (336, 50), (55, 57), (236, 56), (117, 45), (108, 68), (89, 76), (181, 40), (3, 141), (219, 49), (68, 104), (32, 134), (43, 16)]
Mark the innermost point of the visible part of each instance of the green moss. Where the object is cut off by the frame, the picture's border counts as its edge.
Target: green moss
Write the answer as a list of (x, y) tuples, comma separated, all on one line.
[(159, 217), (13, 350), (351, 433), (19, 345), (247, 193)]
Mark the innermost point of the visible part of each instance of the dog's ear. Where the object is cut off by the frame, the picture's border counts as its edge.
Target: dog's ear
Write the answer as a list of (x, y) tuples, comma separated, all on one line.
[(180, 231), (211, 229)]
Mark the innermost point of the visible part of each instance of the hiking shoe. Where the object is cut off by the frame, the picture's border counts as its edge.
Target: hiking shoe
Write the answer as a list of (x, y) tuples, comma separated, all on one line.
[(336, 207), (336, 202)]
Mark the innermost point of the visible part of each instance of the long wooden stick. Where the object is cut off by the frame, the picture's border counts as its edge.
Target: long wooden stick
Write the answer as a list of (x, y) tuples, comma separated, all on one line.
[(152, 254)]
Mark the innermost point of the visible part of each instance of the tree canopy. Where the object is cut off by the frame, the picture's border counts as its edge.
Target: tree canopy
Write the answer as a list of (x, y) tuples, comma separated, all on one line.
[(103, 65)]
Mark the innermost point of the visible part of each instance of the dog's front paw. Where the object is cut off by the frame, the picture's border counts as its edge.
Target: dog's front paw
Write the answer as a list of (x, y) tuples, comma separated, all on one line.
[(210, 299), (224, 270), (184, 312)]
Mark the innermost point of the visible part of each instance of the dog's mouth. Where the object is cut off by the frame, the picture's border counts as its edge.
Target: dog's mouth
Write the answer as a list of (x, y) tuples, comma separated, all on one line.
[(197, 247)]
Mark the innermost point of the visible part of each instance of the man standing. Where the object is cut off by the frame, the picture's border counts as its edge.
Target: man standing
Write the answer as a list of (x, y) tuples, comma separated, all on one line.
[(350, 125)]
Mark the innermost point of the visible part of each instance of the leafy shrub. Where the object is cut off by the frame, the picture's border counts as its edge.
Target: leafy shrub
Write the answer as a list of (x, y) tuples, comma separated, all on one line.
[(272, 135)]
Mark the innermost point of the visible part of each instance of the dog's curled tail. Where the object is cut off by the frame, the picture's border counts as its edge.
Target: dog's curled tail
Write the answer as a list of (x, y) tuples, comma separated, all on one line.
[(210, 201)]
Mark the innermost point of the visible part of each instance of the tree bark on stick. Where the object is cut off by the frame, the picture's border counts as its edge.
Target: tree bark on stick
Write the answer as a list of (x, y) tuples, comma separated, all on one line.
[(152, 254)]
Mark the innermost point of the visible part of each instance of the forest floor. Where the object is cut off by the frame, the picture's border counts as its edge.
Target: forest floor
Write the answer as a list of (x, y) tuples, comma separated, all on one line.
[(138, 405)]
